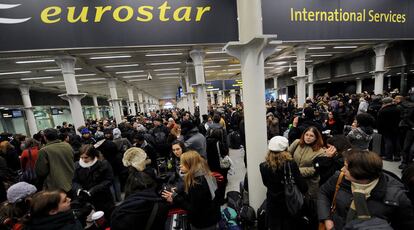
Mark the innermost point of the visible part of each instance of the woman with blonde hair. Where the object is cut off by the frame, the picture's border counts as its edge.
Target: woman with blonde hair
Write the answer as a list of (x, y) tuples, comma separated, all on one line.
[(273, 174), (200, 191)]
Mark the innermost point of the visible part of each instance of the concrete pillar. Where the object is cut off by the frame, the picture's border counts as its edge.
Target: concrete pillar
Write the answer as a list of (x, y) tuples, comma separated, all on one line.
[(310, 82), (241, 94), (220, 97), (358, 86), (252, 50), (147, 104), (116, 102), (96, 106), (233, 97), (131, 102), (141, 103), (198, 57), (184, 103), (301, 75), (28, 109), (403, 81), (212, 98), (379, 68), (67, 65), (276, 88)]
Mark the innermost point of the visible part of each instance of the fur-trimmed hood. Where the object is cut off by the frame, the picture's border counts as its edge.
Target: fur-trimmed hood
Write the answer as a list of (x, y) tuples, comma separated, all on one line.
[(136, 157)]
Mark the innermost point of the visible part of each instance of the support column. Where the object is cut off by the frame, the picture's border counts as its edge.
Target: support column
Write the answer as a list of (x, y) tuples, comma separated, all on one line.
[(67, 65), (358, 86), (116, 102), (276, 88), (301, 75), (212, 98), (96, 106), (141, 103), (147, 104), (233, 97), (184, 102), (220, 97), (28, 109), (198, 57), (131, 102), (379, 68), (403, 81), (241, 94), (310, 82)]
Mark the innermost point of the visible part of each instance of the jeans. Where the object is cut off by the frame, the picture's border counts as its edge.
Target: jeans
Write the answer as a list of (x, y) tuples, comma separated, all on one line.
[(390, 145)]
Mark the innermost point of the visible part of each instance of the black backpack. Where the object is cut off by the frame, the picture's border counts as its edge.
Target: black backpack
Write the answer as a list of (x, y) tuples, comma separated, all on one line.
[(235, 140)]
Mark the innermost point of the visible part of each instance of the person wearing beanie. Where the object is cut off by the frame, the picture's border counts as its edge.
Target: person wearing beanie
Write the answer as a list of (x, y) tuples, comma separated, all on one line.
[(87, 136), (272, 171), (141, 176)]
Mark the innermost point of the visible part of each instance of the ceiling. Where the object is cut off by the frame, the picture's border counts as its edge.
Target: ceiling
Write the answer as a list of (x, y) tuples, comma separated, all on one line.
[(130, 66)]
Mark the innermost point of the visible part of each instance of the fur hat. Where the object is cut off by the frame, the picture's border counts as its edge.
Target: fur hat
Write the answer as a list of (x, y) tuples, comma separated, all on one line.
[(387, 100), (117, 133), (278, 144), (20, 191), (135, 157)]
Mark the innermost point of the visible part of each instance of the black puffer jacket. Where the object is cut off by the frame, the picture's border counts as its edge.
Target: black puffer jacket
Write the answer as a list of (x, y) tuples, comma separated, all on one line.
[(96, 179), (387, 201), (60, 221)]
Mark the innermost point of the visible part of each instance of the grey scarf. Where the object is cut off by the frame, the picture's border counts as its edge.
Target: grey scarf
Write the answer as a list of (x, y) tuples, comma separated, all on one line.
[(211, 181)]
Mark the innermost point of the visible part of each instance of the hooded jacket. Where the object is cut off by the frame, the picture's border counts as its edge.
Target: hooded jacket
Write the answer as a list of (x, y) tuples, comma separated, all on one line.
[(360, 137)]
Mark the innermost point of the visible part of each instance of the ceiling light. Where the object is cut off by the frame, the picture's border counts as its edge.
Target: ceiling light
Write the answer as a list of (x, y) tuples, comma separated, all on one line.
[(233, 70), (305, 61), (162, 54), (225, 74), (215, 52), (210, 71), (53, 82), (17, 72), (134, 76), (398, 73), (138, 80), (213, 66), (234, 65), (171, 69), (345, 47), (58, 70), (285, 57), (35, 61), (35, 78), (110, 57), (317, 48), (164, 78), (268, 67), (329, 82), (277, 63), (290, 68), (389, 75), (165, 63), (216, 60), (85, 75), (321, 55), (166, 74), (93, 79), (132, 71), (121, 66)]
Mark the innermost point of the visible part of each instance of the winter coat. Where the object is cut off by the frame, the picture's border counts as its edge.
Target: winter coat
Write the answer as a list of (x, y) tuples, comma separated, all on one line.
[(24, 158), (203, 211), (272, 128), (388, 120), (277, 217), (138, 180), (387, 201), (304, 157), (327, 166), (360, 137), (196, 141), (96, 179), (55, 165), (363, 107), (110, 151), (122, 144), (60, 221)]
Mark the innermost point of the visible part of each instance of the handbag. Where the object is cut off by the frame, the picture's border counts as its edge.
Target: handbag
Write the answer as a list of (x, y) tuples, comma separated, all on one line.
[(29, 174), (225, 162), (293, 197), (333, 205)]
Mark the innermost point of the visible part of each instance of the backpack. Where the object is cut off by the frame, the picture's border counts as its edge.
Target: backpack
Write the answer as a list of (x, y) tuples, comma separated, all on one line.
[(229, 219), (160, 138), (235, 140), (234, 200), (247, 217), (28, 174)]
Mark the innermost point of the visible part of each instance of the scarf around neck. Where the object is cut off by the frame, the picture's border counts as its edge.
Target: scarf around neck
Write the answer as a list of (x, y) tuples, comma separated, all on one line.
[(361, 192), (87, 165), (212, 184)]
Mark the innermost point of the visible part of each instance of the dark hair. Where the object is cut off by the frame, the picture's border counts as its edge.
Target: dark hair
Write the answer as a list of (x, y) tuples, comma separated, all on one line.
[(340, 142), (139, 136), (318, 144), (363, 165), (365, 120), (178, 142), (44, 202), (216, 118), (51, 134), (89, 150)]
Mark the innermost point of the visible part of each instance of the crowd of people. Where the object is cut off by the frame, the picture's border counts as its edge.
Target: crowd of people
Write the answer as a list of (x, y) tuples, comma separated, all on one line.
[(169, 160)]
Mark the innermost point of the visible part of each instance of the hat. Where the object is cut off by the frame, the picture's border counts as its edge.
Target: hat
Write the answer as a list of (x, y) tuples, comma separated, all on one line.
[(278, 144), (170, 119), (117, 133), (269, 114), (186, 126), (20, 191), (135, 157), (84, 131), (387, 100)]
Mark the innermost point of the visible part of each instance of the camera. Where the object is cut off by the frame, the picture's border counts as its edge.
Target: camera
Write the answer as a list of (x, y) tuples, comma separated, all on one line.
[(149, 77)]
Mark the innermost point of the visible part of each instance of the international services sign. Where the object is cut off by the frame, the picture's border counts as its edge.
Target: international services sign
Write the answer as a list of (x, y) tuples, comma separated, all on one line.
[(59, 24), (301, 20)]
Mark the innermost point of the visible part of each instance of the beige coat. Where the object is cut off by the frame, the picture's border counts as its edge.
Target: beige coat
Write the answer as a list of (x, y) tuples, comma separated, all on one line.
[(303, 158)]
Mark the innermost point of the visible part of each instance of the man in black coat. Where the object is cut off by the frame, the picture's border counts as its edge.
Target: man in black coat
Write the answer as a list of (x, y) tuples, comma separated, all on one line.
[(387, 123)]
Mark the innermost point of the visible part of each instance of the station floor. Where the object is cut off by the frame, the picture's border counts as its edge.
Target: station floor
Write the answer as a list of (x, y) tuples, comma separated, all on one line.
[(239, 171)]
